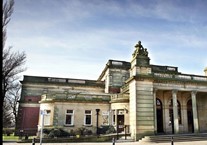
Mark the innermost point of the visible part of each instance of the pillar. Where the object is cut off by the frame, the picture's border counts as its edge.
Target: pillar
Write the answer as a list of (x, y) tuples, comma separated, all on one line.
[(194, 108), (116, 118), (155, 110), (175, 112)]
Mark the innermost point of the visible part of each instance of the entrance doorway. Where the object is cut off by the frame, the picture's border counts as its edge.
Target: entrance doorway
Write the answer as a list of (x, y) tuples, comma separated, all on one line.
[(190, 117), (120, 123), (159, 116)]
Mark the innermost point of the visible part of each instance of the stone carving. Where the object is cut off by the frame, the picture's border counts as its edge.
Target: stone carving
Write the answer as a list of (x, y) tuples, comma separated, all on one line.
[(140, 50)]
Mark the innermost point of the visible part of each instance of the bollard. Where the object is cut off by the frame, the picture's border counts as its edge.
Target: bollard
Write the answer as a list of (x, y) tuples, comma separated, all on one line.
[(172, 143), (113, 141), (33, 141), (26, 137)]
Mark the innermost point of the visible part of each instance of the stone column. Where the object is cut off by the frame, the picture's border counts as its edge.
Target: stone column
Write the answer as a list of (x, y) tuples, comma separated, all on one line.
[(194, 108), (175, 112), (116, 118), (155, 110)]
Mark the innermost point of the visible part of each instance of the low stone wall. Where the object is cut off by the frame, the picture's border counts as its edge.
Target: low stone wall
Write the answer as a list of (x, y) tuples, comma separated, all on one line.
[(104, 138)]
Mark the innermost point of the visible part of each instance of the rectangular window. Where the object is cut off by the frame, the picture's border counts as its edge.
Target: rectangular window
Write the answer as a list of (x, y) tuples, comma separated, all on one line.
[(88, 119), (47, 116), (69, 117)]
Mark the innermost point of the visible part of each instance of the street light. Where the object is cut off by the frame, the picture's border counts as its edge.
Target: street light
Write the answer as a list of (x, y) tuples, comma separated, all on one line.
[(42, 113), (97, 113)]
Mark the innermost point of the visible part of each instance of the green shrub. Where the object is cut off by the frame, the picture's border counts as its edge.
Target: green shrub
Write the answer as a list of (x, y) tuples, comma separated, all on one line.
[(8, 131), (54, 133), (111, 129), (83, 131), (107, 129), (72, 132), (64, 133), (60, 132), (46, 130), (87, 132), (79, 131)]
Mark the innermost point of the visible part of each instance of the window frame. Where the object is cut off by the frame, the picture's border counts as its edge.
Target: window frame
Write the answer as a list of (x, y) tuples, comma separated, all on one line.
[(85, 117), (72, 117)]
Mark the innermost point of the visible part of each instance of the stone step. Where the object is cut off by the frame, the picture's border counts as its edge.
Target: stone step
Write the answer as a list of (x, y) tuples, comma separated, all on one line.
[(176, 138), (127, 139)]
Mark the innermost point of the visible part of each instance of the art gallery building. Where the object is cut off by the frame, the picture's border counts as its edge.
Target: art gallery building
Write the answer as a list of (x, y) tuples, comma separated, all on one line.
[(137, 96)]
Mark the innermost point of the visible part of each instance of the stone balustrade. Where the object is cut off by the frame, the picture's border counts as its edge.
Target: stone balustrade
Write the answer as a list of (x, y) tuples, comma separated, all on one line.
[(181, 77), (119, 96)]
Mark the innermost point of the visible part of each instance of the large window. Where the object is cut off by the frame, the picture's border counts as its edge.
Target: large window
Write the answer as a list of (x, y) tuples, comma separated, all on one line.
[(87, 118), (69, 117)]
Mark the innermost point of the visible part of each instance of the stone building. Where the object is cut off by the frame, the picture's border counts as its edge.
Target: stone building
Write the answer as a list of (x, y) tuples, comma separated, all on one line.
[(136, 96)]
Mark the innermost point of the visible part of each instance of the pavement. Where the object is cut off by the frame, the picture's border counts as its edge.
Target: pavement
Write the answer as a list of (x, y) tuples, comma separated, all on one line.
[(116, 143)]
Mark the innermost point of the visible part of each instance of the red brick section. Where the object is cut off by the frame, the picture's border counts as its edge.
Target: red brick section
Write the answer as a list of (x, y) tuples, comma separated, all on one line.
[(28, 116), (33, 99), (114, 89), (29, 120)]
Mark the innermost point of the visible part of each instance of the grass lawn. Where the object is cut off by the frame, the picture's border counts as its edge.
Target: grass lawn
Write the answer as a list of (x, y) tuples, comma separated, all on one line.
[(10, 138), (14, 138)]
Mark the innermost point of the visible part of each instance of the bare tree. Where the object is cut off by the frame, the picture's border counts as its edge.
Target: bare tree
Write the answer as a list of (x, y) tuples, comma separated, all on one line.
[(8, 8), (13, 101), (8, 118), (13, 63), (12, 66)]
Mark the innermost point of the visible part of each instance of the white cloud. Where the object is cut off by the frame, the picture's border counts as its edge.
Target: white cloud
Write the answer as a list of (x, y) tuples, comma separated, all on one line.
[(82, 35)]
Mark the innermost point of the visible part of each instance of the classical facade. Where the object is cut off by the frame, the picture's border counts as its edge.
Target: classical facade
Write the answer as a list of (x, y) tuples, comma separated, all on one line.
[(136, 96)]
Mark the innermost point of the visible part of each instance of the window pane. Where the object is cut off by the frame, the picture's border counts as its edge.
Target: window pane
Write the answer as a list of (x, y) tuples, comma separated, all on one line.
[(87, 111), (68, 119), (70, 111), (48, 111), (88, 119)]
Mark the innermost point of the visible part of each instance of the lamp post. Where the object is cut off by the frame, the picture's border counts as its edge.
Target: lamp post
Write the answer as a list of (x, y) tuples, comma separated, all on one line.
[(97, 113), (42, 112)]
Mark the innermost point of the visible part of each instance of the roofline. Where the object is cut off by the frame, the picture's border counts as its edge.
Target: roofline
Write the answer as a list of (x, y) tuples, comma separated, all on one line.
[(107, 66)]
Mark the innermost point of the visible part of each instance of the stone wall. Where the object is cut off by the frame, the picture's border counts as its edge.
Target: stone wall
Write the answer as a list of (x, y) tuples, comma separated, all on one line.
[(144, 108), (202, 112), (58, 114), (133, 109)]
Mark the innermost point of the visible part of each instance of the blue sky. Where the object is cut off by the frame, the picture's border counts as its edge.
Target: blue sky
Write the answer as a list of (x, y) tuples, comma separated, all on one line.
[(76, 38)]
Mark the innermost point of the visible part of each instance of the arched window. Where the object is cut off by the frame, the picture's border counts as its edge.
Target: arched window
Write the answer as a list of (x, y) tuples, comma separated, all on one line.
[(171, 110), (159, 116), (158, 103)]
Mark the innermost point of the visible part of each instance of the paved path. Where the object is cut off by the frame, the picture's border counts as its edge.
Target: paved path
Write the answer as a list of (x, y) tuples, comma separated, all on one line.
[(117, 143)]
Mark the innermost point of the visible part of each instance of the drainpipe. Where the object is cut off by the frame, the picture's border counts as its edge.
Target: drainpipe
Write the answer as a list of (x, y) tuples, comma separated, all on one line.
[(97, 113)]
